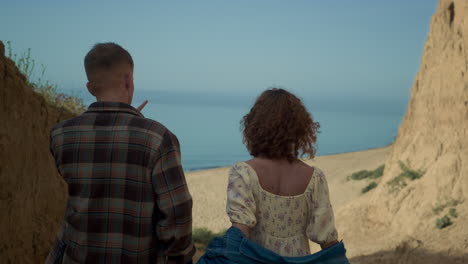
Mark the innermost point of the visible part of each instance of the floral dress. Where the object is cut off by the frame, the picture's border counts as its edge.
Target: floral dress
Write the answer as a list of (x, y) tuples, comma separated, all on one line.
[(283, 224)]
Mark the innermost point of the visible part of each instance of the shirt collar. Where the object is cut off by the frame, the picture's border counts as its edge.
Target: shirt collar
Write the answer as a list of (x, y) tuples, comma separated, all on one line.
[(113, 107)]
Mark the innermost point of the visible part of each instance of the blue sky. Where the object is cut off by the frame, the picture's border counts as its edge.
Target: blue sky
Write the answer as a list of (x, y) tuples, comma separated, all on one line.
[(333, 48)]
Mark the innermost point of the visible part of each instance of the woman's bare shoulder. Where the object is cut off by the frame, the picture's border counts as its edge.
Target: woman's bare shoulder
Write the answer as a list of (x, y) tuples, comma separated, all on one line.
[(250, 161), (306, 168)]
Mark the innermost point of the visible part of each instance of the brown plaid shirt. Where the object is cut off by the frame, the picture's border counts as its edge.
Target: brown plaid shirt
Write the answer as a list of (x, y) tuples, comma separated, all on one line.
[(128, 198)]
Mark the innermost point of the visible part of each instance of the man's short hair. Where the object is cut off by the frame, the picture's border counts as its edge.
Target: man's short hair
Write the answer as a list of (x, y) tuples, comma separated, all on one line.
[(104, 56)]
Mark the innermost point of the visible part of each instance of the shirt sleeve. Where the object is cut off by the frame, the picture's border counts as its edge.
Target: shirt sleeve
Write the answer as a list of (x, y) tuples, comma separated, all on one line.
[(173, 222), (321, 227), (52, 147), (240, 205)]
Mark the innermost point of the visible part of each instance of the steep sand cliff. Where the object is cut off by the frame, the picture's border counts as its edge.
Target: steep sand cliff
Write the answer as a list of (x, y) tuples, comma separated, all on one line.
[(432, 137), (32, 194)]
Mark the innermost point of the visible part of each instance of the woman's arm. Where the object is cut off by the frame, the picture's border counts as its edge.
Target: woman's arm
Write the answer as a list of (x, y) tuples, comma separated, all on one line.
[(321, 228), (327, 245), (245, 229), (240, 203)]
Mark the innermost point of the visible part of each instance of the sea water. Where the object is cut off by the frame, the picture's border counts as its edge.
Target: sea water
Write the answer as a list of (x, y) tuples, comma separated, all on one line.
[(210, 136), (210, 133)]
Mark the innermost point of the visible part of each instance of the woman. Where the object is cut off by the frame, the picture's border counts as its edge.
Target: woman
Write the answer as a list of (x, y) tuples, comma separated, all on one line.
[(275, 199)]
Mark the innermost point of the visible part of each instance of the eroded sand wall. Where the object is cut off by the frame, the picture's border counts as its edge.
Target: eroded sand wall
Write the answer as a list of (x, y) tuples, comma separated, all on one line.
[(32, 193), (432, 137)]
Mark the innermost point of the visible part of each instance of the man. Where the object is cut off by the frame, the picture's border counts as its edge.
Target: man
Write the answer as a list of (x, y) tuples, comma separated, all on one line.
[(128, 198)]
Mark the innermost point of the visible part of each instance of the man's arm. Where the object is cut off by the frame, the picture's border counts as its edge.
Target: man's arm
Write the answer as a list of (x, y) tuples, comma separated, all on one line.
[(173, 221)]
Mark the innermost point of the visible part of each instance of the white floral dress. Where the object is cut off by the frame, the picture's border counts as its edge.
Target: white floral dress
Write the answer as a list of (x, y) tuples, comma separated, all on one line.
[(283, 224)]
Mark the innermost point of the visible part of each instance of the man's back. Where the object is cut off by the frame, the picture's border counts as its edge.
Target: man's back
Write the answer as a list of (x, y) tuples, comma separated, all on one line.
[(128, 199)]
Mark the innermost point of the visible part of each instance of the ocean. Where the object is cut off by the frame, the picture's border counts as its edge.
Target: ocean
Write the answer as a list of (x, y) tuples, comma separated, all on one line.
[(208, 125)]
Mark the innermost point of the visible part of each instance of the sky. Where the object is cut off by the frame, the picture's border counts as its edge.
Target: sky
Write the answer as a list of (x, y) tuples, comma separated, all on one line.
[(348, 49)]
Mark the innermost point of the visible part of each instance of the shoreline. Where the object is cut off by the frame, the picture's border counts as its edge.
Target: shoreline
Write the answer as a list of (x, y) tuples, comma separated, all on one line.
[(207, 168)]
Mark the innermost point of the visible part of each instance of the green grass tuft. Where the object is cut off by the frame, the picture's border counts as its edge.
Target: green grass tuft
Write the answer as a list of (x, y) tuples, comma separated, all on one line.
[(453, 212), (409, 173), (443, 222), (440, 207), (399, 182), (203, 236), (360, 175), (27, 65), (365, 174), (369, 187)]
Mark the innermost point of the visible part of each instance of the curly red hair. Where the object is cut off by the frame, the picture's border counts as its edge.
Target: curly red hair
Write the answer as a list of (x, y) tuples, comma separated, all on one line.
[(279, 127)]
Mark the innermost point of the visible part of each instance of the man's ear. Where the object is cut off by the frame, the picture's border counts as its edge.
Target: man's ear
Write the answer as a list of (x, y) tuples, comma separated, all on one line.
[(128, 80), (90, 89)]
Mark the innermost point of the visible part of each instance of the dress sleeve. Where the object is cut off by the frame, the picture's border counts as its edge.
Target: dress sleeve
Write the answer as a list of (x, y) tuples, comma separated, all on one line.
[(321, 228), (240, 206)]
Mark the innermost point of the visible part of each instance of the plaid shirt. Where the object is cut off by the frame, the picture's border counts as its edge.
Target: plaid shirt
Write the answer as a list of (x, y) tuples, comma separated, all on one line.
[(128, 198)]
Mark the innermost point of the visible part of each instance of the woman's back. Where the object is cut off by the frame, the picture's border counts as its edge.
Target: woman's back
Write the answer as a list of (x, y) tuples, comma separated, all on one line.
[(280, 203), (282, 177)]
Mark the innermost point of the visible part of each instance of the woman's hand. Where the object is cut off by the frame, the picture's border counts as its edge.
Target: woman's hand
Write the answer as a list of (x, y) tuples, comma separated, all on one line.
[(327, 245), (245, 229)]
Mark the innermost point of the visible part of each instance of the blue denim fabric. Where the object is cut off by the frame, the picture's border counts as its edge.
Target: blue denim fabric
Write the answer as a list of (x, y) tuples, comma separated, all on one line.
[(234, 247)]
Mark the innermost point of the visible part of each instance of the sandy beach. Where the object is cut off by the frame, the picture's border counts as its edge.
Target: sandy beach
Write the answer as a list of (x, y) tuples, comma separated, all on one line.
[(208, 187)]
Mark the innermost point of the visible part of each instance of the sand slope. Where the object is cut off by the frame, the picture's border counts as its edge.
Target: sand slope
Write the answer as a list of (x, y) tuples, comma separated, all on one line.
[(432, 137), (32, 193)]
